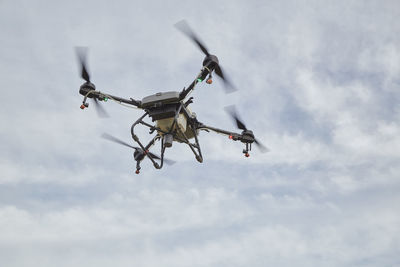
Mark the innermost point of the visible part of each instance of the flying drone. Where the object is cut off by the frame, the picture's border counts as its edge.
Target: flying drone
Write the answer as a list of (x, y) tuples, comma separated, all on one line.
[(173, 121)]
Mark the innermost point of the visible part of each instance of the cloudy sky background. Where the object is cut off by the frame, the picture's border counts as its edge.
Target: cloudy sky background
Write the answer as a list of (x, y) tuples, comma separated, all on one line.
[(318, 84)]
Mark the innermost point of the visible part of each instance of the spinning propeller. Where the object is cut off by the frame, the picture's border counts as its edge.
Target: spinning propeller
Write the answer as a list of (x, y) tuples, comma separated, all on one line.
[(139, 153), (183, 26), (246, 133), (81, 52)]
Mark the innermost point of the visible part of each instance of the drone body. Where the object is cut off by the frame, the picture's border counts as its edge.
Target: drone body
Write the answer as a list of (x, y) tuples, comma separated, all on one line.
[(172, 119)]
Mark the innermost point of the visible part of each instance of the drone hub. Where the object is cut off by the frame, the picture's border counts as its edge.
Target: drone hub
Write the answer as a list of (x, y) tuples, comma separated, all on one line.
[(210, 62), (247, 136), (86, 88)]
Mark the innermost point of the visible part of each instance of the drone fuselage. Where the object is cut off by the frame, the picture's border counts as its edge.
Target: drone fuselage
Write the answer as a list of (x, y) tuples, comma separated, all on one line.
[(164, 110)]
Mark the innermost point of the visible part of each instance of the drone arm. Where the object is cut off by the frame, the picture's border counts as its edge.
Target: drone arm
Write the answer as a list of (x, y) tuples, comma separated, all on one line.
[(200, 77), (245, 137), (231, 135), (92, 93), (129, 101)]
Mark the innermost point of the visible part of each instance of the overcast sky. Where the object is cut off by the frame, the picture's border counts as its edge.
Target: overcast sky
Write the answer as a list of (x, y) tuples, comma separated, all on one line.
[(318, 84)]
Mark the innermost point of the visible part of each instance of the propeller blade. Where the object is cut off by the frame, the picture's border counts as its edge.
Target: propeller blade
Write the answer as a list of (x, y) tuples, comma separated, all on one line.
[(232, 111), (167, 161), (260, 146), (82, 55), (240, 124), (153, 155), (229, 88), (183, 26), (117, 140), (101, 112), (219, 72)]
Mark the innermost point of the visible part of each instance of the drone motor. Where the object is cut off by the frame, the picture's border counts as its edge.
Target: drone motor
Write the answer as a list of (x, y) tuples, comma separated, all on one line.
[(210, 61)]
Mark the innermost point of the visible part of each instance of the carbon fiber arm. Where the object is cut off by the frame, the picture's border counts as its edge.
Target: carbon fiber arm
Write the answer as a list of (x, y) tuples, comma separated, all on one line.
[(232, 135), (90, 92)]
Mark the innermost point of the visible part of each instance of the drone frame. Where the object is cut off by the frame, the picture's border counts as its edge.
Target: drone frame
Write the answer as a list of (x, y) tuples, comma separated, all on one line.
[(175, 133), (170, 105)]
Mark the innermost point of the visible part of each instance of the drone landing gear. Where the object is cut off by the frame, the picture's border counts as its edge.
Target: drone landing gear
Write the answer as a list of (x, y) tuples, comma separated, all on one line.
[(168, 137), (145, 149), (192, 147)]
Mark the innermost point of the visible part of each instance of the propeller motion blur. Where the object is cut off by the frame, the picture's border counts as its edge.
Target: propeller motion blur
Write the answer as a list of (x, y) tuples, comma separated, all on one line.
[(169, 111)]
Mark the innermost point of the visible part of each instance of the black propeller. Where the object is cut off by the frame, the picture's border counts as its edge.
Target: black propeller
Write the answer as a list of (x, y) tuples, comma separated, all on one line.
[(82, 52), (100, 110), (232, 112), (138, 149), (184, 27)]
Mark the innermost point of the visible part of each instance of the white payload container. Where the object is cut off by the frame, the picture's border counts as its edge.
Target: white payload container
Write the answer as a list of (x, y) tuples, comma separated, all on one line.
[(166, 124)]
